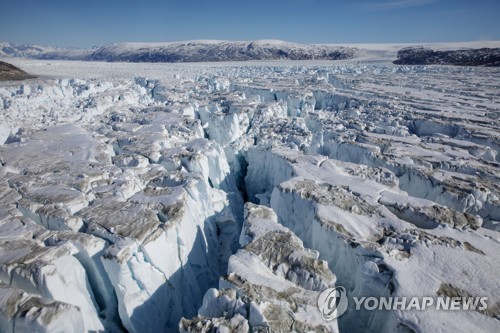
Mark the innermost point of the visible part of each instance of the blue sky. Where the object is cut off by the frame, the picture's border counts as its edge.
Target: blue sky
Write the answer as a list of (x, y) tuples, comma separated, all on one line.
[(98, 22)]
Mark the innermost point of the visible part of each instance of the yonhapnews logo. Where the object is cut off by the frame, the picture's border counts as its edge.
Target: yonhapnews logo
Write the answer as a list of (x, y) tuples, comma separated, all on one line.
[(333, 303)]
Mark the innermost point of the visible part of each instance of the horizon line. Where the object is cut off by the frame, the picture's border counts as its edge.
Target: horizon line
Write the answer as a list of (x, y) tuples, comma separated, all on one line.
[(255, 40)]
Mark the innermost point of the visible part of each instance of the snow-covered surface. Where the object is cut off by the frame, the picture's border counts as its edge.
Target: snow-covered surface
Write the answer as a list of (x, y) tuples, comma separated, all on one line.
[(122, 189), (185, 51), (212, 50), (272, 283), (375, 51), (224, 50)]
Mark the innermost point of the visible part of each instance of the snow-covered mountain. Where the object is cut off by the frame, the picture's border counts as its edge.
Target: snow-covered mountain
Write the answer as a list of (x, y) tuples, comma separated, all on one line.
[(196, 51), (42, 52), (464, 54), (23, 50), (190, 51)]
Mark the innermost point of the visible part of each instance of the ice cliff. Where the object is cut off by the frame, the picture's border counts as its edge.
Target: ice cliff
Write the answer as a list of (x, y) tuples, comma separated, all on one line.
[(272, 283)]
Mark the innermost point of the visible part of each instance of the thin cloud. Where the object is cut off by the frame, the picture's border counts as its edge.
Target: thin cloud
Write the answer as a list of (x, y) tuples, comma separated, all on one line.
[(388, 5)]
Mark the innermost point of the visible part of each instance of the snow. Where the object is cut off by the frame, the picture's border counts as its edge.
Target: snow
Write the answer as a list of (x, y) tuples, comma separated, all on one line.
[(122, 190), (21, 311), (223, 50), (186, 51), (52, 273), (263, 281), (349, 240)]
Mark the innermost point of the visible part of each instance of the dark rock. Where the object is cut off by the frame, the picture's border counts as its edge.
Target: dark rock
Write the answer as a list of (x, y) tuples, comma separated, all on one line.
[(425, 56), (10, 72)]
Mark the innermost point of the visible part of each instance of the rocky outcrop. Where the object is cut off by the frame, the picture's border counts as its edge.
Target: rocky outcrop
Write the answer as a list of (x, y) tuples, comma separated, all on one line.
[(10, 72), (425, 56)]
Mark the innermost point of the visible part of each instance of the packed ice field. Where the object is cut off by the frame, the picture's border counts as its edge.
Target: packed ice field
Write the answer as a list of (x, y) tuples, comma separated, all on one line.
[(191, 197)]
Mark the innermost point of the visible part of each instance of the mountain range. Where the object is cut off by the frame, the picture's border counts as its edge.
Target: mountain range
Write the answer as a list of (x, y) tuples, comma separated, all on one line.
[(189, 51)]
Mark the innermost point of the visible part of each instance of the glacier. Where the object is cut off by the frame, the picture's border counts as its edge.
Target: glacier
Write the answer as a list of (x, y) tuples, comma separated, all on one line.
[(199, 197), (272, 283)]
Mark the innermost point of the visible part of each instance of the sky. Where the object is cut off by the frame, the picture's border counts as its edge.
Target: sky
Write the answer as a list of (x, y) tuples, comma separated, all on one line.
[(90, 23)]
